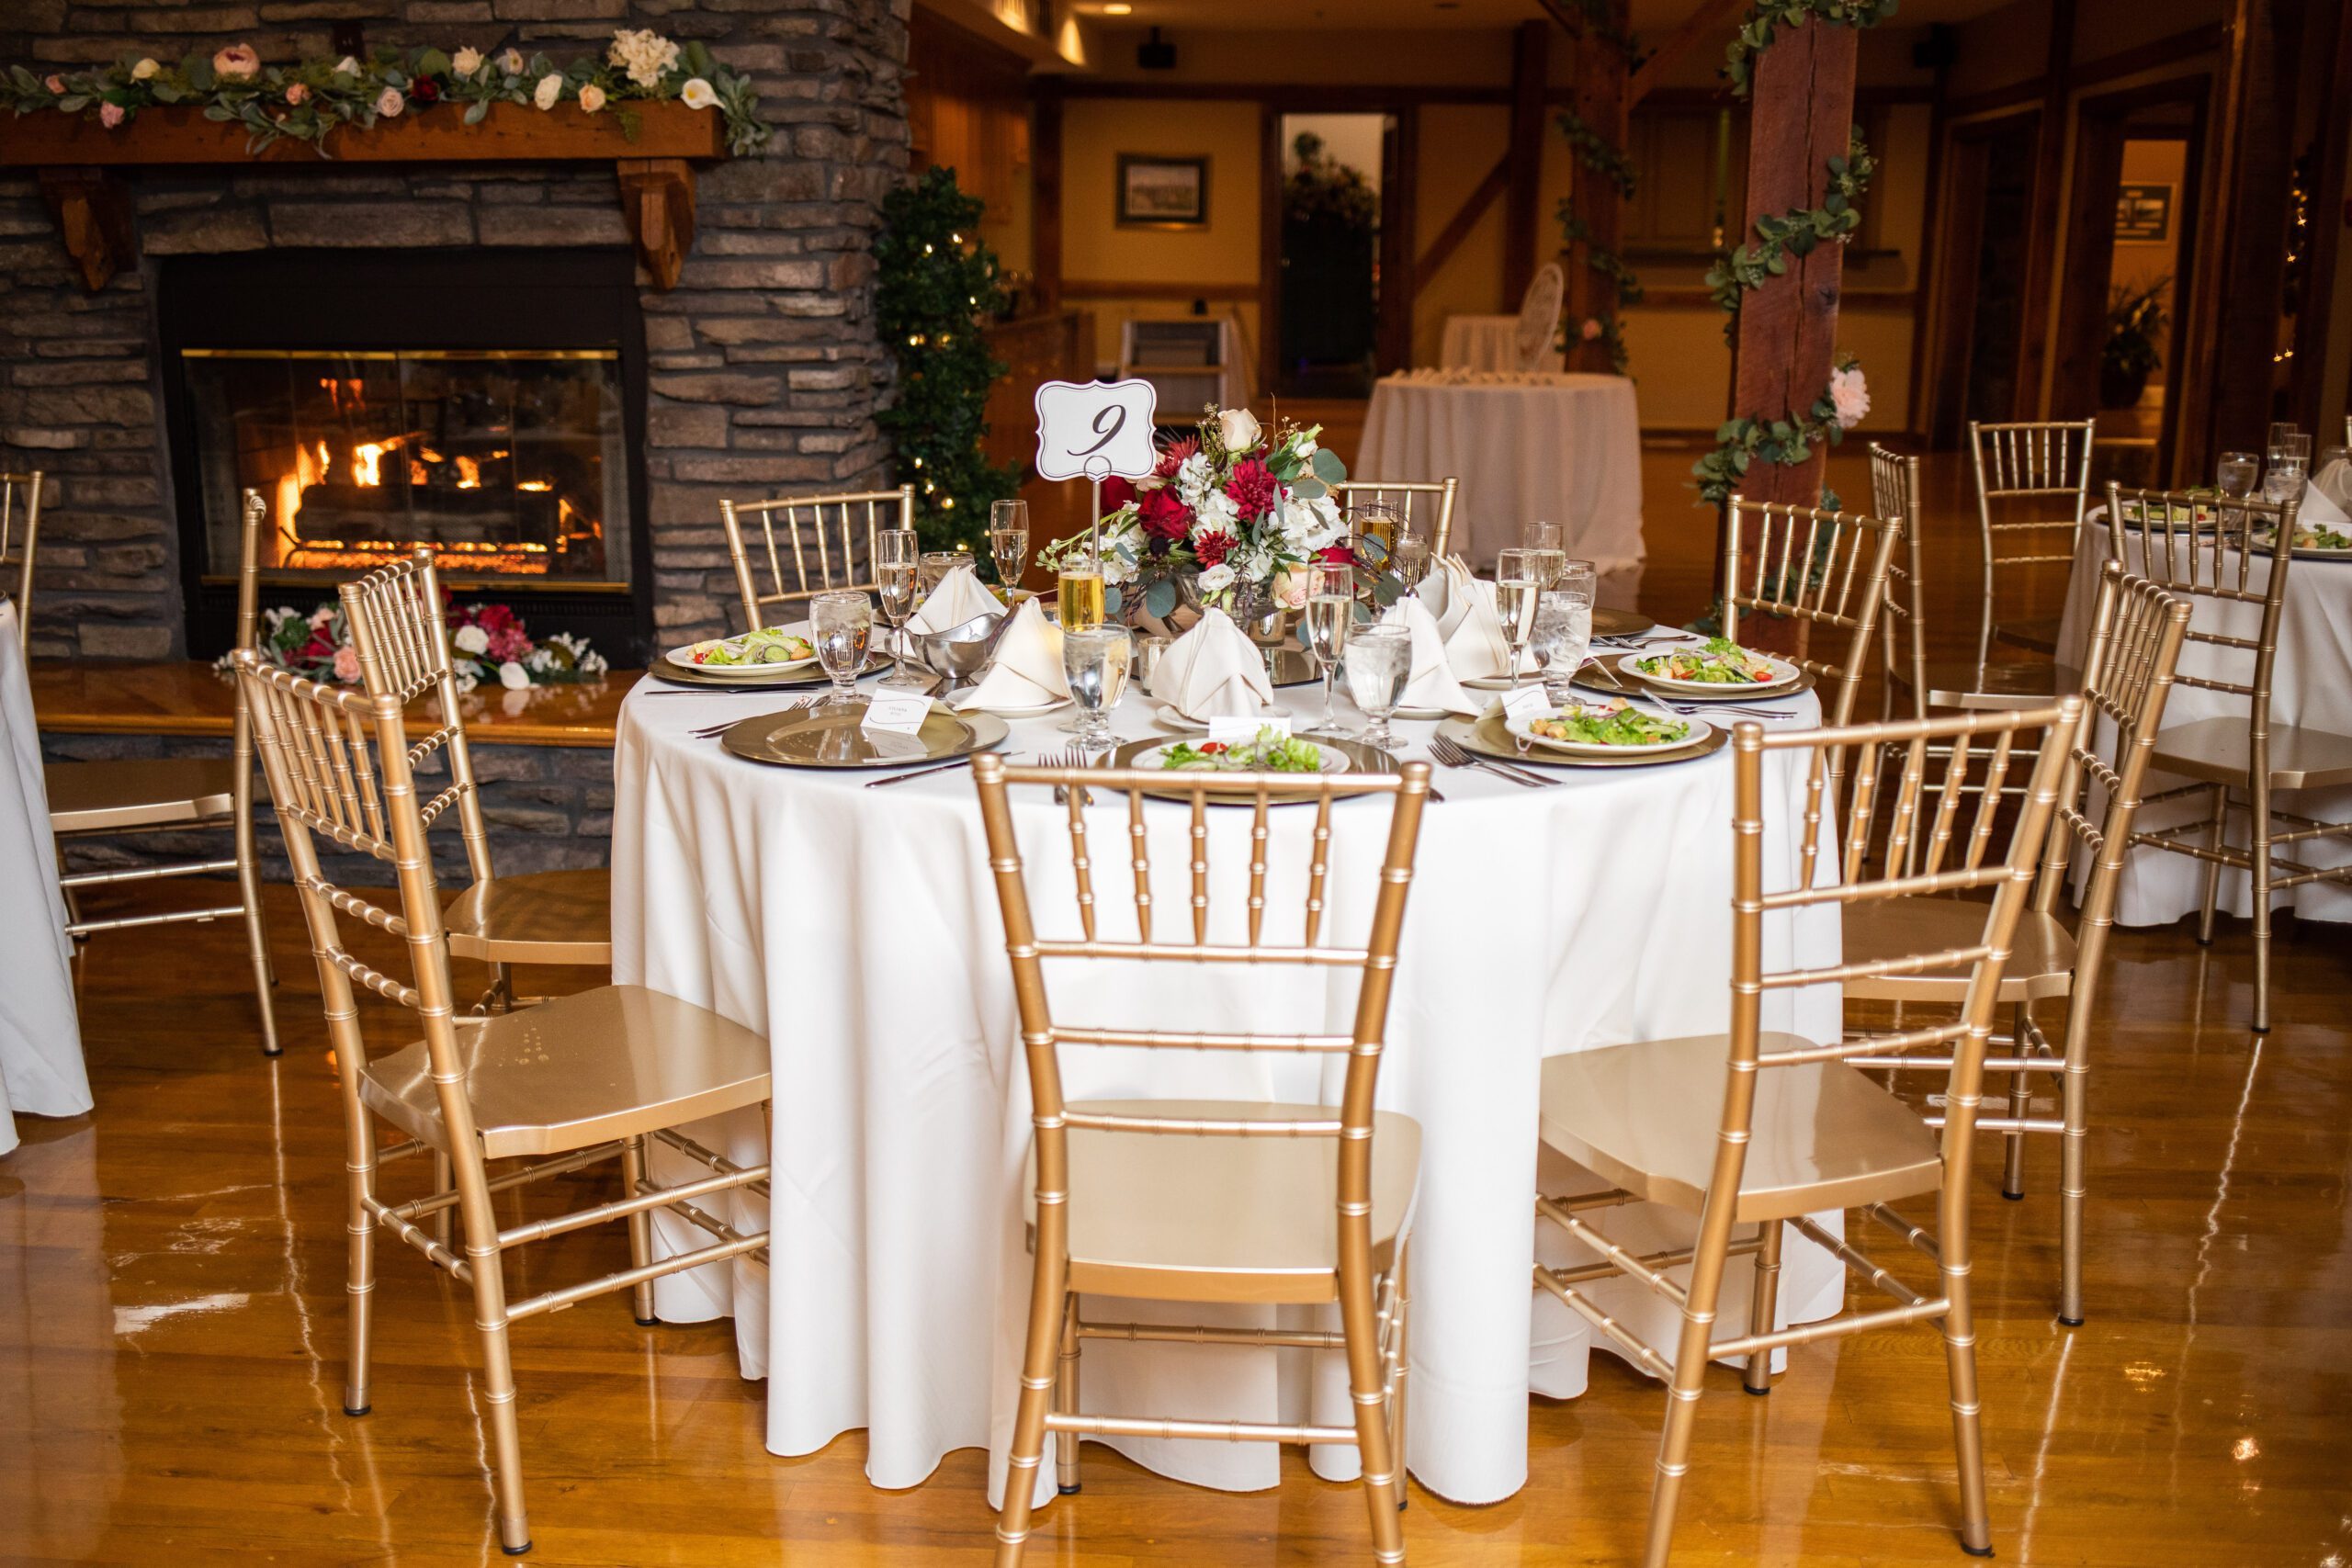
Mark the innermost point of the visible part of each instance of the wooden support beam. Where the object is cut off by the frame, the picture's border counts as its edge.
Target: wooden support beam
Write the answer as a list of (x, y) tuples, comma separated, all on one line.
[(658, 203), (1457, 228), (1529, 68), (2042, 227), (2318, 399), (1708, 20), (92, 209), (1400, 164), (1599, 102), (1046, 194)]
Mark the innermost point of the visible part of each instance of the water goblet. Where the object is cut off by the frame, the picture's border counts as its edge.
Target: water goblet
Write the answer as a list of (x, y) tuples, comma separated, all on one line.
[(1562, 637), (896, 569), (937, 564), (1380, 661), (2236, 474), (1542, 537), (841, 623), (1412, 562), (2291, 456), (1330, 618), (1008, 542), (1149, 651), (1519, 576), (1095, 660)]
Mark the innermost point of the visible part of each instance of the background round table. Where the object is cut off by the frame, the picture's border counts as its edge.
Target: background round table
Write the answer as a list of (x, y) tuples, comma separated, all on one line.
[(859, 930), (1559, 448), (2311, 684), (1487, 343), (40, 1037)]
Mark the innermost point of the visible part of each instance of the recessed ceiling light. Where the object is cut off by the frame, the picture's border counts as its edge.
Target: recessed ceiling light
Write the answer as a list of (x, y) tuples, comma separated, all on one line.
[(1118, 8)]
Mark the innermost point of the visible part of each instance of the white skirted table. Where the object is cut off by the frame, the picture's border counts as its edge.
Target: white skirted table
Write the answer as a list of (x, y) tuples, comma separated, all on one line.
[(859, 930), (1487, 343), (1527, 447), (41, 1039), (2312, 685)]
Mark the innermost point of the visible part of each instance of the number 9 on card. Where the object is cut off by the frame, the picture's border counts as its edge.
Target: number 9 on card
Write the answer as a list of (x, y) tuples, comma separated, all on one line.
[(1094, 429)]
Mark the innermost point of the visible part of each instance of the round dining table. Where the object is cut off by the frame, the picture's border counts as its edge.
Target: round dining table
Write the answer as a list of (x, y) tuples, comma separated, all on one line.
[(858, 929), (2311, 684), (41, 1071)]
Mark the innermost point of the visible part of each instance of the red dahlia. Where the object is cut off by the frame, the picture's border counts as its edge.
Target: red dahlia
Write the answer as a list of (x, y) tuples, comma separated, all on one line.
[(1253, 489)]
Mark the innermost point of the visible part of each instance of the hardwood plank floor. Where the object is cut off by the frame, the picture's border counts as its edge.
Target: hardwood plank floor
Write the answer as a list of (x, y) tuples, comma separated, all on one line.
[(171, 1319)]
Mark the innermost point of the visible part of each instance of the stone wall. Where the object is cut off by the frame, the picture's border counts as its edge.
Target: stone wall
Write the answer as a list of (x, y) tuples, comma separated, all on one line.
[(764, 372)]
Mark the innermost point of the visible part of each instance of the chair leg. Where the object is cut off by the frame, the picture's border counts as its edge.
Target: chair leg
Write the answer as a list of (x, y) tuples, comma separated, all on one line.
[(502, 989), (442, 1179), (497, 1371), (2020, 1107), (2211, 892), (359, 1277), (257, 949), (1367, 1388), (1403, 1333), (2075, 1084), (1764, 1304), (1681, 1420), (640, 1227), (2258, 851), (1046, 1289), (1967, 1430), (1065, 1400)]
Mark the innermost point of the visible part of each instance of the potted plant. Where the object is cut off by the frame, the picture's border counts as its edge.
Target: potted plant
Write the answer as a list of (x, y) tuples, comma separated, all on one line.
[(2135, 318)]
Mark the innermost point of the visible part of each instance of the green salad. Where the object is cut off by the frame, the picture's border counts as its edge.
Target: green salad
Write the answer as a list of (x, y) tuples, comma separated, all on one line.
[(1718, 662), (1610, 724), (766, 645), (1270, 750)]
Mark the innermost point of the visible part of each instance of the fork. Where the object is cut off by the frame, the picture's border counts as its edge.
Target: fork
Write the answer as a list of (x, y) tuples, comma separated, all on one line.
[(712, 731), (1453, 755), (1701, 710)]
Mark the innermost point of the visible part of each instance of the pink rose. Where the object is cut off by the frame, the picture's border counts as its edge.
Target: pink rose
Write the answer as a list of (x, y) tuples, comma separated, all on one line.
[(295, 93), (347, 663), (55, 84), (110, 114), (1591, 329), (1850, 394), (238, 62), (390, 103)]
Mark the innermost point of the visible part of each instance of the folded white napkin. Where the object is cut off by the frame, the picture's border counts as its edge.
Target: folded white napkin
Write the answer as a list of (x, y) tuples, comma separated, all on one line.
[(2327, 495), (1432, 684), (1477, 649), (958, 598), (1447, 592), (1213, 671), (1027, 671)]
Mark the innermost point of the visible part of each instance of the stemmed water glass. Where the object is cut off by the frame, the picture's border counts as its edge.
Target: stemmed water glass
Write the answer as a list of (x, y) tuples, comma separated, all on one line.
[(1330, 618), (841, 623), (1519, 576), (1380, 661), (2291, 456), (1008, 542), (2237, 473), (1095, 660), (896, 563), (1411, 559), (1563, 634)]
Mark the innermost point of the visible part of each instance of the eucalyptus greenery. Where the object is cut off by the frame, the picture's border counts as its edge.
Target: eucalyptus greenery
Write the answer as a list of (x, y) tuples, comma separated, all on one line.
[(935, 290), (1767, 16), (1596, 154), (1794, 234)]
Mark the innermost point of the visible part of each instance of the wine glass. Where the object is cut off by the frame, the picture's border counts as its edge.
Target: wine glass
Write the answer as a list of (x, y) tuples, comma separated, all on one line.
[(1330, 616), (841, 623), (936, 565), (1008, 542), (896, 565), (1411, 560), (1519, 576), (1380, 661), (1542, 537), (1095, 659)]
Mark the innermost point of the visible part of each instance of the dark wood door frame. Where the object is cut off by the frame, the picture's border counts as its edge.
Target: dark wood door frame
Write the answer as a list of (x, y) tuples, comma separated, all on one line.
[(1960, 205), (1399, 180)]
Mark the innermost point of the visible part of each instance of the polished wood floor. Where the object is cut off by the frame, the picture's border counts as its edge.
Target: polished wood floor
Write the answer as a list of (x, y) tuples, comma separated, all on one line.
[(172, 1308)]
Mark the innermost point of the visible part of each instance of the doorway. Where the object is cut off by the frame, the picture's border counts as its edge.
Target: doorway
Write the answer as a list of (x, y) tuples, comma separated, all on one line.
[(1330, 223), (1980, 315)]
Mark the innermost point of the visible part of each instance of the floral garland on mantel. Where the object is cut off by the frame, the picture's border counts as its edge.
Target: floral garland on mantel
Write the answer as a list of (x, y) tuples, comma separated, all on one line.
[(306, 100), (488, 645)]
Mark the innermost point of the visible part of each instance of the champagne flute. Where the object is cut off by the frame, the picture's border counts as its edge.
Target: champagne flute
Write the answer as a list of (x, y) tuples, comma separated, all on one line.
[(1095, 659), (1330, 616), (1079, 584), (841, 623), (1518, 579), (1380, 661), (897, 568), (1008, 542)]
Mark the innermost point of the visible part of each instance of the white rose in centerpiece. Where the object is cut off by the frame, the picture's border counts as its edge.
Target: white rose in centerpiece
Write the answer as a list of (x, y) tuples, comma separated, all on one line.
[(1238, 428), (1852, 394), (697, 94), (472, 640), (592, 98), (550, 90), (643, 53), (1290, 588), (1216, 579), (511, 62), (465, 62), (144, 70), (512, 676)]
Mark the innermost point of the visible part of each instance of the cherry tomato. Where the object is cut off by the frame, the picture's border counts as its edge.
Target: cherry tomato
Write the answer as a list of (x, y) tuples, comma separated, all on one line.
[(1211, 747)]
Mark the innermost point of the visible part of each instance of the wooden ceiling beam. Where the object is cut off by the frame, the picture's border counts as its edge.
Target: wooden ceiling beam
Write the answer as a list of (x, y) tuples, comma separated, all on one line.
[(1707, 19)]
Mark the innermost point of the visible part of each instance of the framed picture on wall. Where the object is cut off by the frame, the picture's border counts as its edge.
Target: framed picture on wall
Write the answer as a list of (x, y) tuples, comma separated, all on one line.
[(2143, 215), (1163, 193)]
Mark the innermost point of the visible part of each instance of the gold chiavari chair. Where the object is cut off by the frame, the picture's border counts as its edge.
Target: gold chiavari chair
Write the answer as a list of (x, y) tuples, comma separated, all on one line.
[(173, 794), (26, 543), (1116, 1207), (537, 918), (568, 1084), (1440, 494), (824, 552), (1765, 1129), (2034, 461), (2213, 562), (2135, 642)]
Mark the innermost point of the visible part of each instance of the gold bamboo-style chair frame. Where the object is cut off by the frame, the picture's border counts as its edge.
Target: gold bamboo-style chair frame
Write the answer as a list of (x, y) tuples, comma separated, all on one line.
[(171, 794), (2034, 460), (1108, 1219), (2136, 638), (2212, 561), (574, 1082), (1801, 1130), (1438, 493), (26, 545), (824, 553)]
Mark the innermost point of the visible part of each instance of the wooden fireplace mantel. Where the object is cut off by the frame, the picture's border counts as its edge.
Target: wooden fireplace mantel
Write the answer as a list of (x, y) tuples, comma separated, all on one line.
[(81, 163)]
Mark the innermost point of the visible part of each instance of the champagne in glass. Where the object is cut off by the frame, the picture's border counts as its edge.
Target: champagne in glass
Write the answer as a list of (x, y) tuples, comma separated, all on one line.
[(1377, 525), (897, 580), (1330, 616), (1008, 542), (1094, 658), (1080, 586), (841, 623), (1380, 661), (1517, 583)]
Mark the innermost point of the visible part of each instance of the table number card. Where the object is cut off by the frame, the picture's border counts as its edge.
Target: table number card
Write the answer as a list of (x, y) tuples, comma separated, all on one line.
[(1094, 429), (1241, 729), (895, 714), (1526, 702)]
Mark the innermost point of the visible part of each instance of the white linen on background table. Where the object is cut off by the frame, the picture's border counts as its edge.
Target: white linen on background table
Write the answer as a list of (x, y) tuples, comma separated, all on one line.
[(1565, 451), (859, 930), (2311, 684), (41, 1071), (1489, 343)]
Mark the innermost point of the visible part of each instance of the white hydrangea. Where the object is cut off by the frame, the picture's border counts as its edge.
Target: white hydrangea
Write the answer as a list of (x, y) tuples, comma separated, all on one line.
[(1121, 547), (1218, 578), (1216, 512), (1194, 480), (643, 53)]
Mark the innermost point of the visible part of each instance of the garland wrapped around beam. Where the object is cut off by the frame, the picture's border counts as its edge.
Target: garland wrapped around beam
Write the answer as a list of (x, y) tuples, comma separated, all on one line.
[(1596, 155)]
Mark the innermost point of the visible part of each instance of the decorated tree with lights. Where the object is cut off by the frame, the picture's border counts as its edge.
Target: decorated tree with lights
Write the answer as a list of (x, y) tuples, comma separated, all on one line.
[(935, 289)]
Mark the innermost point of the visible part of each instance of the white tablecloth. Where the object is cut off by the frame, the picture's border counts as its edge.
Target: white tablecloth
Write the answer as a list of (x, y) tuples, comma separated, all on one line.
[(1488, 342), (1564, 450), (2311, 686), (859, 929), (40, 1040)]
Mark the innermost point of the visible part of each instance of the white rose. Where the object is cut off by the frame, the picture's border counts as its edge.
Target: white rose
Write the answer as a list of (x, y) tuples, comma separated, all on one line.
[(1218, 578), (1851, 395), (347, 66), (465, 62), (144, 70), (592, 98), (512, 676), (1238, 428), (697, 94), (472, 640), (1306, 448), (550, 90)]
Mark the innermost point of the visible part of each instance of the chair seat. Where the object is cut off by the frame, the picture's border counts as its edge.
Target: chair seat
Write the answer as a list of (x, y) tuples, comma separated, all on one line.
[(1646, 1118), (542, 916), (2221, 751), (2041, 955), (1963, 683), (2039, 633), (578, 1070), (1222, 1217), (112, 795)]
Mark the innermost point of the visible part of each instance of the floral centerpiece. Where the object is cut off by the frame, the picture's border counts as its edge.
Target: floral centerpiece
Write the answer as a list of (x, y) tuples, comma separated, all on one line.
[(1228, 511), (488, 646)]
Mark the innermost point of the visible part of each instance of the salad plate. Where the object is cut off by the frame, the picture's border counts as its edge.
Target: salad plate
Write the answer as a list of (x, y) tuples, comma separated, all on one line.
[(761, 655), (831, 736), (1187, 761), (1488, 737), (1165, 716), (2314, 541), (809, 674), (1716, 668), (1613, 728)]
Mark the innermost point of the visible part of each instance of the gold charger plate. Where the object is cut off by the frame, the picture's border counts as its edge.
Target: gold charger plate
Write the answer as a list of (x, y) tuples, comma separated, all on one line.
[(1620, 623), (813, 675), (1362, 759), (1485, 736), (828, 736)]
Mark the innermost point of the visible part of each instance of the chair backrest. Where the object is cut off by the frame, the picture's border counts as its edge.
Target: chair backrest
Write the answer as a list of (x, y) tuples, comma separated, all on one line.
[(1539, 315), (825, 551), (1043, 1034), (1436, 510), (2192, 545), (1822, 568), (402, 640), (21, 541), (1902, 627), (2048, 461)]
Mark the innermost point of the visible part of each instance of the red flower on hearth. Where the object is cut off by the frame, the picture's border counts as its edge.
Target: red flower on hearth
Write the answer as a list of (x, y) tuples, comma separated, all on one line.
[(509, 643), (1209, 549), (1164, 516), (1173, 455), (1253, 489), (422, 90), (1116, 492), (496, 618)]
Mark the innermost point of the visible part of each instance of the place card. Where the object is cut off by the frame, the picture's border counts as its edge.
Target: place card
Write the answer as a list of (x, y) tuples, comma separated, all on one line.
[(1526, 702), (1238, 729), (895, 714)]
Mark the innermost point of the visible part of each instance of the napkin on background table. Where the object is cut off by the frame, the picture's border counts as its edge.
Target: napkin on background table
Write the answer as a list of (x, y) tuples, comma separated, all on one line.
[(1477, 649), (1431, 683), (1027, 671), (2327, 495), (1447, 590), (958, 598), (1213, 671)]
